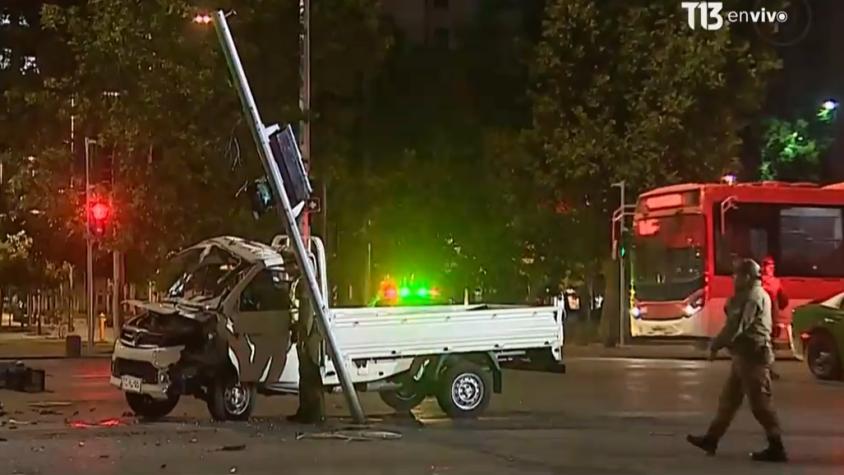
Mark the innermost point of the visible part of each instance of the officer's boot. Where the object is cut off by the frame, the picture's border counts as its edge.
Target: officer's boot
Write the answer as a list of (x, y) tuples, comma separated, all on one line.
[(704, 442), (774, 453)]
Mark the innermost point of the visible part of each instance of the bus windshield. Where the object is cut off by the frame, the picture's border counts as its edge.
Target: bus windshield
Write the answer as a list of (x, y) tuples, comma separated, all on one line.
[(668, 257)]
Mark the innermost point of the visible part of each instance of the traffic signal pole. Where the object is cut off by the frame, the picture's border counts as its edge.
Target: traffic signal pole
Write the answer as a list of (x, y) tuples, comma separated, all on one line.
[(89, 276), (305, 103), (261, 135), (620, 215)]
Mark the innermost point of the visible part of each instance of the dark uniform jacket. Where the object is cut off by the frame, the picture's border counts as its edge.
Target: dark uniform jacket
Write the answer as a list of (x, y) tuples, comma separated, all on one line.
[(747, 330)]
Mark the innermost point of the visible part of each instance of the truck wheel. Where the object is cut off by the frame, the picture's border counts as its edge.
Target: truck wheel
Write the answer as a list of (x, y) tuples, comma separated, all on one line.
[(822, 357), (231, 400), (149, 408), (464, 389), (403, 399)]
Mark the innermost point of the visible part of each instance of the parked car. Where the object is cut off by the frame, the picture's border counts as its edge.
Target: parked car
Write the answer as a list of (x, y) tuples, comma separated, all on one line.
[(819, 336)]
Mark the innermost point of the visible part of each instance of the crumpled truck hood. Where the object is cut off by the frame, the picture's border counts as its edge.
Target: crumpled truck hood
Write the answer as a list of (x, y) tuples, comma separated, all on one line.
[(192, 311)]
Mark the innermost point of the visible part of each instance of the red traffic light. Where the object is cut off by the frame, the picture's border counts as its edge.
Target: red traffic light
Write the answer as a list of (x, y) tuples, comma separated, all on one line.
[(99, 215), (100, 211)]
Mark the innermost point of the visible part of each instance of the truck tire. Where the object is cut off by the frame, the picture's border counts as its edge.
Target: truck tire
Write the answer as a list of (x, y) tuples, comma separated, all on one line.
[(148, 408), (230, 400), (822, 357), (464, 389), (403, 399)]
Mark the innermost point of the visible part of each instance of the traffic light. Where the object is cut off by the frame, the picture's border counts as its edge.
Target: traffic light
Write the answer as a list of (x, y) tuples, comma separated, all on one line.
[(260, 196), (99, 215), (624, 244)]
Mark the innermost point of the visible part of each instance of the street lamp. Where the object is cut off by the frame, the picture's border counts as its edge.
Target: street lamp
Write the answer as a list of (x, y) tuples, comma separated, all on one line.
[(202, 18), (827, 110)]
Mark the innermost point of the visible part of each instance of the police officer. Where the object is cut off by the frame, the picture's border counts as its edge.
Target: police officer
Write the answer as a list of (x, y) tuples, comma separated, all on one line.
[(747, 334), (308, 346)]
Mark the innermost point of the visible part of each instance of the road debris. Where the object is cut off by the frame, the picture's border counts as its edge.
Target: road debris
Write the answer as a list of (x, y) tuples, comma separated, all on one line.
[(232, 448), (233, 470), (351, 435), (49, 404), (20, 423), (113, 422), (19, 377)]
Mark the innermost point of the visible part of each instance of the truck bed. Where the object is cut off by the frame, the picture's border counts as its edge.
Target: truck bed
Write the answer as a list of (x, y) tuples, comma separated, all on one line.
[(375, 333), (378, 343)]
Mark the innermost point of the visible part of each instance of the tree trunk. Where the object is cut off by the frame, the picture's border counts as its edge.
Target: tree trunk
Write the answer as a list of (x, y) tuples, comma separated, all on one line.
[(38, 301)]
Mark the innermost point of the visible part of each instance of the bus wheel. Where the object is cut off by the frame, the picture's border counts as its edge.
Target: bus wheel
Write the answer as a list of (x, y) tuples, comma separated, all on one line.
[(822, 357), (465, 389)]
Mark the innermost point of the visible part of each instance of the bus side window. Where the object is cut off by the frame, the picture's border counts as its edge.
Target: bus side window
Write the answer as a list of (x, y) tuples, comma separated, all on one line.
[(751, 231), (812, 244)]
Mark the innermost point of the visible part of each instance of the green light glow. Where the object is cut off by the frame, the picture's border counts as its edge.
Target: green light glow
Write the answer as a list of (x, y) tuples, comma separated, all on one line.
[(423, 292), (404, 292)]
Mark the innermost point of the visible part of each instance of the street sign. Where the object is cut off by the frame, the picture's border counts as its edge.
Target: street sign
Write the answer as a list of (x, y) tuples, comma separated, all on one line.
[(286, 154)]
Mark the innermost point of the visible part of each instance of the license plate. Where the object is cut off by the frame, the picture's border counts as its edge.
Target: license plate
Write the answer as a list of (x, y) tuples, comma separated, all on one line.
[(130, 384)]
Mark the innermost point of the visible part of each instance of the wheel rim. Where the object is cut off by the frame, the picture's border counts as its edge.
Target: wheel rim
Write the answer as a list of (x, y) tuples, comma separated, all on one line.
[(237, 399), (467, 391), (822, 363)]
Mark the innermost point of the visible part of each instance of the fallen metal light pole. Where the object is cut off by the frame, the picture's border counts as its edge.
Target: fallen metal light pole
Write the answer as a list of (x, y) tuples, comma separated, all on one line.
[(261, 134)]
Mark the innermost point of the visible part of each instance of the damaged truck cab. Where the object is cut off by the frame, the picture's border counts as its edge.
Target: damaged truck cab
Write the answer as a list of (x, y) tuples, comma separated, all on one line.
[(222, 330)]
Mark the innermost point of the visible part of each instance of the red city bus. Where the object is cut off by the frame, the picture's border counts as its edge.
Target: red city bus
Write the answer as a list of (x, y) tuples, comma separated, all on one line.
[(686, 237)]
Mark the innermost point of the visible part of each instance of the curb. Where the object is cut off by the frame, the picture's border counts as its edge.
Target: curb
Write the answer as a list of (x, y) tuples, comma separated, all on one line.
[(54, 357)]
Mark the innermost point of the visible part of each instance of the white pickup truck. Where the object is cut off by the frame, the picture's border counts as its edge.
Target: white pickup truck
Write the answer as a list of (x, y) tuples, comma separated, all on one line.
[(222, 334)]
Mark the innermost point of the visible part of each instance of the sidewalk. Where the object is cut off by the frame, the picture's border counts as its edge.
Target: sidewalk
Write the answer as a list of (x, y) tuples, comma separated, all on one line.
[(18, 343), (42, 348), (652, 351)]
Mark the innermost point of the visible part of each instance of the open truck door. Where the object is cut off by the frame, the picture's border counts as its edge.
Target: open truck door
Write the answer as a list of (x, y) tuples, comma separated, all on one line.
[(260, 311)]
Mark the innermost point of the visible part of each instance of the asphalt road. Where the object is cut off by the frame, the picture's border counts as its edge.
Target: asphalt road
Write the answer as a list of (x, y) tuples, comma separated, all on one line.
[(606, 416)]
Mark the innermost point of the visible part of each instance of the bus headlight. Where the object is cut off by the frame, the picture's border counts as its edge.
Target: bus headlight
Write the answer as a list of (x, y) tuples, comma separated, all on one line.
[(694, 307), (636, 312)]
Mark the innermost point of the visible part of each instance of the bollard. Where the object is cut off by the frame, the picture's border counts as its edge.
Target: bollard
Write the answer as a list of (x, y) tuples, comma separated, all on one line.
[(73, 346), (102, 326)]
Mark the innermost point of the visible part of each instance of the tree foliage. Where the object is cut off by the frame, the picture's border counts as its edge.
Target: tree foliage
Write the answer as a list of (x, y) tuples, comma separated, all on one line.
[(792, 150), (153, 90), (626, 91)]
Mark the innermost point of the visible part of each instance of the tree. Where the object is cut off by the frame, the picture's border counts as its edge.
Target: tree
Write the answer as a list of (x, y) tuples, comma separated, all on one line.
[(793, 150), (14, 256), (626, 91), (427, 182), (153, 89)]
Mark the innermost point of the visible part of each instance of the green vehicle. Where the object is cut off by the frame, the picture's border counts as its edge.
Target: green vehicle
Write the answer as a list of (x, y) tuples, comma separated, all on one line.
[(819, 334)]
